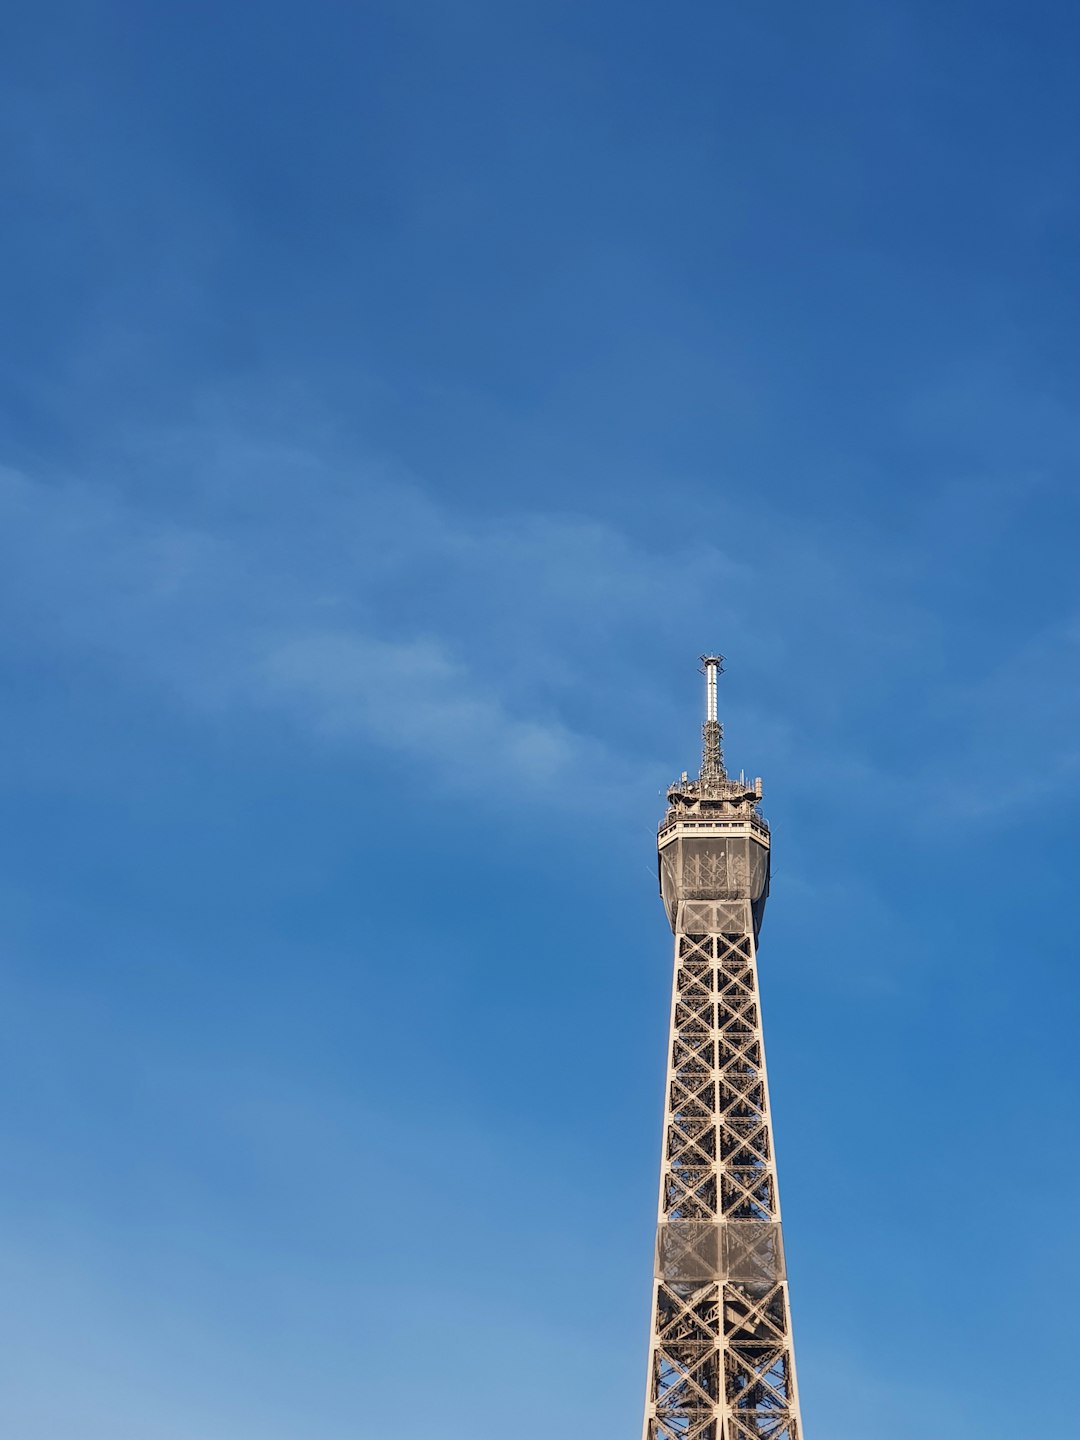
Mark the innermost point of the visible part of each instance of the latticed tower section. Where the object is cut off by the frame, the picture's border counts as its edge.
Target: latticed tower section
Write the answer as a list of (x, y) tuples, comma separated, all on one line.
[(721, 1363)]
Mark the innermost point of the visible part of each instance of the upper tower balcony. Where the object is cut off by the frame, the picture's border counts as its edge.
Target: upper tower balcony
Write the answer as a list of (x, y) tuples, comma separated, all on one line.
[(714, 798), (713, 844)]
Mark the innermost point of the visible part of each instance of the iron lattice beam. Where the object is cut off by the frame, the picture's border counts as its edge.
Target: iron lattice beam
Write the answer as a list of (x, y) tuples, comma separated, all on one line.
[(721, 1362)]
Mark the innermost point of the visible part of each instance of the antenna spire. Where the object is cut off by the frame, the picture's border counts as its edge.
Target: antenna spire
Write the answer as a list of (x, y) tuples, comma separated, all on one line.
[(712, 752)]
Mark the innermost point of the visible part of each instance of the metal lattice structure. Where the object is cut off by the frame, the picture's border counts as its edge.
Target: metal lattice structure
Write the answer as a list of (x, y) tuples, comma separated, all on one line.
[(721, 1363)]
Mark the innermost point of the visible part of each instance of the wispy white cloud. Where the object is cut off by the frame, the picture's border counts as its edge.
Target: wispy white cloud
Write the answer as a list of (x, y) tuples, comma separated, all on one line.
[(334, 634), (417, 700), (343, 596)]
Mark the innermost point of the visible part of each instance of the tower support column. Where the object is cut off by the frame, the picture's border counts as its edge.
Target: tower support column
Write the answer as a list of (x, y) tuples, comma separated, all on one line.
[(721, 1361)]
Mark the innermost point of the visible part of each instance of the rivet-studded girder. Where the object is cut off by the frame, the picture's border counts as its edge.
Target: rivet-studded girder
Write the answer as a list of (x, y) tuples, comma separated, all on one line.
[(721, 1364)]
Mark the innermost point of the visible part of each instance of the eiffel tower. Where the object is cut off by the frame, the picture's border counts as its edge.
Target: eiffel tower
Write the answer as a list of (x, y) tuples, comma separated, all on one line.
[(721, 1363)]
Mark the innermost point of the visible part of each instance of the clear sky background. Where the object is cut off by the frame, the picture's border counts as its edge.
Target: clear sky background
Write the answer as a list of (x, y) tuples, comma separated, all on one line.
[(397, 398)]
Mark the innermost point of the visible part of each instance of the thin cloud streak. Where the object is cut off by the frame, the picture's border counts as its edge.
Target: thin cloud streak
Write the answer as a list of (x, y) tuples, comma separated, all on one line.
[(414, 698), (492, 646)]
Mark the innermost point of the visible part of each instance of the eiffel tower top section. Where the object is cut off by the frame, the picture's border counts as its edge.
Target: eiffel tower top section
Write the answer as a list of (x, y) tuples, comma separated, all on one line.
[(713, 796)]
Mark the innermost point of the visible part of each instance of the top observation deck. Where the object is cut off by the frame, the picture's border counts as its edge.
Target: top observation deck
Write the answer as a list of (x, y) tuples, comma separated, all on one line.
[(713, 803)]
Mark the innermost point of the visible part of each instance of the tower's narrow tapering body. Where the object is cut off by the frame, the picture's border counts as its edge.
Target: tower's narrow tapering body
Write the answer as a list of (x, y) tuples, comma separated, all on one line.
[(721, 1364)]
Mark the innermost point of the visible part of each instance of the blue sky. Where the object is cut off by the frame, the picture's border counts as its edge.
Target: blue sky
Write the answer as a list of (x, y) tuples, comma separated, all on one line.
[(396, 400)]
